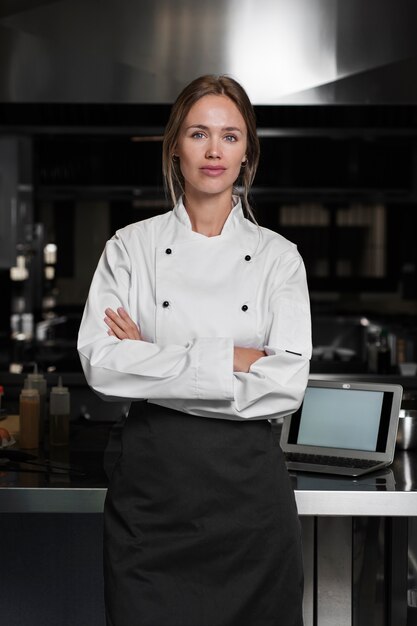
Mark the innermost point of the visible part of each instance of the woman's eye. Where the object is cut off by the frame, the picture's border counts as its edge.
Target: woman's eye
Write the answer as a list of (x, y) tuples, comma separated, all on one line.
[(230, 138), (197, 135)]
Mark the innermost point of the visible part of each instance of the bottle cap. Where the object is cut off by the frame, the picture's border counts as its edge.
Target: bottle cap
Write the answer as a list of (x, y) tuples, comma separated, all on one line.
[(36, 376), (59, 388), (38, 382), (59, 400)]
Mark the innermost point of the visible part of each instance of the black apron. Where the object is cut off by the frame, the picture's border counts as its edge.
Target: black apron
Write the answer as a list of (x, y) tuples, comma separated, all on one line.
[(200, 525)]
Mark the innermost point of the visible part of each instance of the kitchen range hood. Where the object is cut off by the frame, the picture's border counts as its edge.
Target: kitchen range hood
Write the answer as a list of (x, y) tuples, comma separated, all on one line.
[(285, 52)]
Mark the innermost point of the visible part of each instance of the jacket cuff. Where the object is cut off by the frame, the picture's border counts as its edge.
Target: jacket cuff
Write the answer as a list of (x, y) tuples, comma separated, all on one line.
[(214, 379)]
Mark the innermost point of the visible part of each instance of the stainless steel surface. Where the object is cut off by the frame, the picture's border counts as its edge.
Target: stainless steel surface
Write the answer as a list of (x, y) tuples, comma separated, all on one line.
[(407, 430), (58, 500), (304, 52), (390, 493), (393, 493), (334, 572), (369, 556), (308, 537), (361, 571), (397, 579), (412, 564), (347, 503), (319, 503)]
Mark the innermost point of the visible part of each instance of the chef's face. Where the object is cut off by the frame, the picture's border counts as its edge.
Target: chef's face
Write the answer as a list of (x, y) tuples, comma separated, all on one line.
[(211, 146)]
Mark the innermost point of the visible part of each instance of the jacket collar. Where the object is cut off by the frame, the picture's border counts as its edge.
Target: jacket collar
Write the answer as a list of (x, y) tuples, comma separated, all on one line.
[(234, 219)]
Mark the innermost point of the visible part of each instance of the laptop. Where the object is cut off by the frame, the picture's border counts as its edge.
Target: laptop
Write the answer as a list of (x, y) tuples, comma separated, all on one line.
[(344, 428)]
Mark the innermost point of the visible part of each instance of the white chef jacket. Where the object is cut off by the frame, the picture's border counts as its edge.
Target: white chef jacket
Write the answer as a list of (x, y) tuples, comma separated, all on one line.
[(195, 298)]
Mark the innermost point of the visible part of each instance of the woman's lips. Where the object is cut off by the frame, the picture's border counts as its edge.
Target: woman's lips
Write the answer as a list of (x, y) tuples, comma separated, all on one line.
[(212, 171)]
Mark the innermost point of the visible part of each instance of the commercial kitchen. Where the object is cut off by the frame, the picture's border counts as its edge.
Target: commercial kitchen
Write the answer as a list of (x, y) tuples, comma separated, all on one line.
[(85, 93)]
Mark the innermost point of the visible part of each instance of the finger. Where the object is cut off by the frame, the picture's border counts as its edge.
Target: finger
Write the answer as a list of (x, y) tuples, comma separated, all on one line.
[(122, 324), (110, 323), (121, 330), (135, 328), (126, 317), (123, 313), (117, 319), (115, 329)]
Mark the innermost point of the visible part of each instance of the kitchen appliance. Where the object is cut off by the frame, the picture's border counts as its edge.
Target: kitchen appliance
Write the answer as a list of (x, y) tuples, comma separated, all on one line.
[(407, 430)]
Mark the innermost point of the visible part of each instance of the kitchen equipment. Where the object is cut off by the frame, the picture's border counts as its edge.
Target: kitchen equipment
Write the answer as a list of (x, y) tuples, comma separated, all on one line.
[(407, 368), (407, 430)]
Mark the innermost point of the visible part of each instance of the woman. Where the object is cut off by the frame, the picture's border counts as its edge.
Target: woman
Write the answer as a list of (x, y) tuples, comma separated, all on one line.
[(206, 321)]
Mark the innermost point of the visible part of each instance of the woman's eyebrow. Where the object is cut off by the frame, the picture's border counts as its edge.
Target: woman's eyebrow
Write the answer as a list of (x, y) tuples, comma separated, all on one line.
[(203, 127), (232, 129)]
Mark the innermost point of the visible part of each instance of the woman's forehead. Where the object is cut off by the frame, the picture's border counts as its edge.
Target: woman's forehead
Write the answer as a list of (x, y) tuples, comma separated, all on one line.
[(215, 110)]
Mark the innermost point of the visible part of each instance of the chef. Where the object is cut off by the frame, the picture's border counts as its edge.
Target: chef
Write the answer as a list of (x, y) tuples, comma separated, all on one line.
[(201, 318)]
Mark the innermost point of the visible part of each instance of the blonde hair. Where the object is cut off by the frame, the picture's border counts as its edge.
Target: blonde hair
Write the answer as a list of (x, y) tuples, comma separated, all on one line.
[(206, 86)]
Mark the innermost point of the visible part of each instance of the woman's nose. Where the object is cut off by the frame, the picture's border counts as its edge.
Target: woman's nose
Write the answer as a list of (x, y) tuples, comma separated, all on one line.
[(213, 150)]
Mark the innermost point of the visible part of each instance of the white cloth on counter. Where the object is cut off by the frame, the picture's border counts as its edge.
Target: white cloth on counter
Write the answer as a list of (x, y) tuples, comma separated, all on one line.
[(195, 298)]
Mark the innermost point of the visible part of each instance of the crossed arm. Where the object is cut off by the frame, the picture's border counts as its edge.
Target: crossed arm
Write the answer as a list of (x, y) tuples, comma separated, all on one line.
[(122, 326)]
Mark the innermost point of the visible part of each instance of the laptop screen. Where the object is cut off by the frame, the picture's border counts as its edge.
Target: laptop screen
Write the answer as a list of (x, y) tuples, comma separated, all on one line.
[(342, 418)]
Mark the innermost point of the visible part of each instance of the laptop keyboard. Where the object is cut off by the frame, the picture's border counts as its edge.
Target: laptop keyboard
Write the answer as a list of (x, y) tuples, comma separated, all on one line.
[(335, 461)]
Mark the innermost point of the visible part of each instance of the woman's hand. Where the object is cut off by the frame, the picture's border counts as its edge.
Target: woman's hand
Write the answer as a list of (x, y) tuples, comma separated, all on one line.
[(244, 357), (121, 325)]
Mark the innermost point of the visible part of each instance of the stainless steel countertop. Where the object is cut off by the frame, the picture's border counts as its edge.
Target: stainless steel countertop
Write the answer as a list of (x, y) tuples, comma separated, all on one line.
[(390, 492)]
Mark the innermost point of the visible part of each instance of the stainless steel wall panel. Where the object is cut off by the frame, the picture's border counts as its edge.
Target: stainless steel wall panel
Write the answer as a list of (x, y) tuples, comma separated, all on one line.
[(283, 51)]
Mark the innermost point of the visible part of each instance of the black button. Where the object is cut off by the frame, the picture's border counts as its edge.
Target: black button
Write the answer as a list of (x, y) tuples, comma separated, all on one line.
[(245, 307), (168, 250), (248, 257), (165, 304)]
